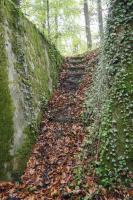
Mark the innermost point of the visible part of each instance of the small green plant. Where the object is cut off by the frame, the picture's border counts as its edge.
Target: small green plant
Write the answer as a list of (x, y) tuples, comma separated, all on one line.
[(78, 175)]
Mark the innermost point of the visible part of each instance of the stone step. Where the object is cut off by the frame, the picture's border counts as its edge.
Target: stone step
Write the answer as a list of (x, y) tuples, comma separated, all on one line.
[(61, 118), (77, 57), (76, 60), (73, 80), (69, 86), (76, 75), (76, 70)]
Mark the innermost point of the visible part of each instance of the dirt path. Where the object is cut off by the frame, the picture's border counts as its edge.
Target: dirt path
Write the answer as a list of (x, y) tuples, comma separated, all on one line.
[(53, 158)]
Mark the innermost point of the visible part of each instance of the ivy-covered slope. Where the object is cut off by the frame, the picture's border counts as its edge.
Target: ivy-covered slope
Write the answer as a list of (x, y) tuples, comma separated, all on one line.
[(110, 101), (29, 67)]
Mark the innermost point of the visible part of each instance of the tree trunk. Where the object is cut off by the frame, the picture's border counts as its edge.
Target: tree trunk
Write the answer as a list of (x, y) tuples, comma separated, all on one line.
[(100, 19), (48, 18), (87, 25), (44, 24), (56, 29)]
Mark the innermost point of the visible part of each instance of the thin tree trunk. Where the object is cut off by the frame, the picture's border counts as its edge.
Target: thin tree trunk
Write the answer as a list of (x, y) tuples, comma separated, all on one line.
[(48, 18), (87, 25), (44, 24), (100, 19), (56, 29)]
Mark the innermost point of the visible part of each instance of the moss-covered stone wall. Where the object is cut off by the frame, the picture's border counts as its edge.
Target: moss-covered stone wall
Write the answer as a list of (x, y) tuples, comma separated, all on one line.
[(110, 100), (29, 67)]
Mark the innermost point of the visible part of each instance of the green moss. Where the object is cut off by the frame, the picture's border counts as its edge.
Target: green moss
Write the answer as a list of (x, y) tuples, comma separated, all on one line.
[(37, 65), (6, 109)]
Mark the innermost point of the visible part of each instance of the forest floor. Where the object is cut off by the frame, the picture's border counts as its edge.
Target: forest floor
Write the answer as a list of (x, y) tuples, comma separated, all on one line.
[(49, 172)]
